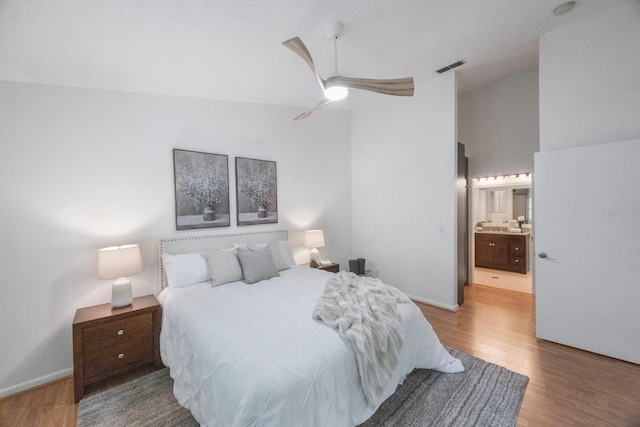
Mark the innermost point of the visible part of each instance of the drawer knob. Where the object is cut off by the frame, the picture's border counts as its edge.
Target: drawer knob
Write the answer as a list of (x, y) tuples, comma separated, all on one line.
[(517, 249), (120, 332), (121, 356), (517, 261)]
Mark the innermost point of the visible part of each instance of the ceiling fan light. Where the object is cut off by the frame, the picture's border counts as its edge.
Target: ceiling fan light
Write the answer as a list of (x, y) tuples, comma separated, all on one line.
[(336, 93)]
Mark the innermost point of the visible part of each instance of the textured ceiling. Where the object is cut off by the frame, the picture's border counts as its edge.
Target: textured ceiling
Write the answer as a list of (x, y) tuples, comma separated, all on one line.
[(230, 49)]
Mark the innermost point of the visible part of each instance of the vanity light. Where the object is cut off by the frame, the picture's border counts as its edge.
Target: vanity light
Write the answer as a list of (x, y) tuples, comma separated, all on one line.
[(494, 178), (500, 180)]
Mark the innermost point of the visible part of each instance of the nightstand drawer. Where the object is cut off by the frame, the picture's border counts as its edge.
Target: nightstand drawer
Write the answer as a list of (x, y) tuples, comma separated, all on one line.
[(117, 357), (103, 337)]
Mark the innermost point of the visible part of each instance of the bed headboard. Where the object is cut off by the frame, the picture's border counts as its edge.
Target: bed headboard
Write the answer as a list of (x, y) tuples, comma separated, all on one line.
[(185, 245)]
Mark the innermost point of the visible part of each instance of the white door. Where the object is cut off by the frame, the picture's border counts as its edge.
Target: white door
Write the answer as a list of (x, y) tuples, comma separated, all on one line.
[(587, 222)]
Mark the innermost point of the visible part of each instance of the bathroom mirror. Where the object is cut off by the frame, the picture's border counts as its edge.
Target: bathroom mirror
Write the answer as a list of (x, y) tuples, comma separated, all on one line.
[(497, 201), (521, 203), (500, 200)]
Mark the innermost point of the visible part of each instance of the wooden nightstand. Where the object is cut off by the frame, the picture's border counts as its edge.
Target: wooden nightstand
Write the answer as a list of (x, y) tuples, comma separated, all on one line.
[(332, 268), (113, 345)]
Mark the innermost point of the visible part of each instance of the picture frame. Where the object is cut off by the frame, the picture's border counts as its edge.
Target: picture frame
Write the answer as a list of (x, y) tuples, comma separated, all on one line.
[(256, 191), (201, 183)]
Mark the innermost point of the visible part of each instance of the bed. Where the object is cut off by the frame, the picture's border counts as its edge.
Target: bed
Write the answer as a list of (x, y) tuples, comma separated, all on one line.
[(251, 354)]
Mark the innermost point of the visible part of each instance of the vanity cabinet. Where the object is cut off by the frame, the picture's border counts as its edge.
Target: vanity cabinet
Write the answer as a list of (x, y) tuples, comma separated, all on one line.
[(502, 251)]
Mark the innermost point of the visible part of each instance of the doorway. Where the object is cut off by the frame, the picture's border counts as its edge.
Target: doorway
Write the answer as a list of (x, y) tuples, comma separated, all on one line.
[(501, 245)]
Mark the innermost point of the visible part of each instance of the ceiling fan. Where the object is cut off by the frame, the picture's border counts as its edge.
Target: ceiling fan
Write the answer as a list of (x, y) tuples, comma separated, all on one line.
[(336, 87)]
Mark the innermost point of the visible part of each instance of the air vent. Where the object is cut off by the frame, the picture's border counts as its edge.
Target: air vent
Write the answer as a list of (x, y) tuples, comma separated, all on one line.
[(450, 67)]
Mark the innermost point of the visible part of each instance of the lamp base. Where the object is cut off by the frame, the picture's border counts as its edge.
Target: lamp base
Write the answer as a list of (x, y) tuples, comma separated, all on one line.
[(121, 293), (314, 256)]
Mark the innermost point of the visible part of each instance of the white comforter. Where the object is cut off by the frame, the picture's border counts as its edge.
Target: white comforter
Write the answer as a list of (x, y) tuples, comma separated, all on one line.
[(251, 355)]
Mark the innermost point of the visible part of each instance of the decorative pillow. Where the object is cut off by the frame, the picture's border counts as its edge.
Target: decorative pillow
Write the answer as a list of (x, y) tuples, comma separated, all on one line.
[(277, 256), (224, 266), (185, 269), (280, 251), (253, 246), (257, 265)]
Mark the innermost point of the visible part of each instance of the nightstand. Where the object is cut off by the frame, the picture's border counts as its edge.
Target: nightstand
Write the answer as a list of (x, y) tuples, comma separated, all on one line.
[(332, 268), (114, 345)]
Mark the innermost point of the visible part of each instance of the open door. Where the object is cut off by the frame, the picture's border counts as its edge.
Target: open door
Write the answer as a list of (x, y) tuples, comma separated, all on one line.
[(587, 268)]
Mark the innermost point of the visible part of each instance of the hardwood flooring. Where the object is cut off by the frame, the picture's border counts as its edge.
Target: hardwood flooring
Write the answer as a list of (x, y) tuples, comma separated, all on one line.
[(566, 386), (49, 405)]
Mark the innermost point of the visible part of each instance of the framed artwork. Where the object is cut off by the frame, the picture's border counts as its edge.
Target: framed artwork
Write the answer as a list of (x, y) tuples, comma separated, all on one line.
[(256, 191), (202, 189)]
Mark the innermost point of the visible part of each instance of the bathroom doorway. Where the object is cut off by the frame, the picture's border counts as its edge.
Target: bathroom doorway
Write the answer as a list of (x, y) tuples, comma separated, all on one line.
[(501, 245)]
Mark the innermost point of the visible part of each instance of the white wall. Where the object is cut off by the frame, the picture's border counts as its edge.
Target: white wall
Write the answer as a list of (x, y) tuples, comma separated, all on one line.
[(590, 80), (403, 190), (83, 169), (499, 125)]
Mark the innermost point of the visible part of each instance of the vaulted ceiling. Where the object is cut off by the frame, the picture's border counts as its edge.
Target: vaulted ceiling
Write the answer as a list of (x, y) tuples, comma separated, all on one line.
[(231, 49)]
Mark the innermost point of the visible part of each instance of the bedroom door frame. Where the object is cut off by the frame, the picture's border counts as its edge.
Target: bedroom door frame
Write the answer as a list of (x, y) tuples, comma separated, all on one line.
[(462, 188)]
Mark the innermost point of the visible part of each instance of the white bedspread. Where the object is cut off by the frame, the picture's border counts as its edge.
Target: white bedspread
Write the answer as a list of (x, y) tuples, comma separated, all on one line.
[(251, 355)]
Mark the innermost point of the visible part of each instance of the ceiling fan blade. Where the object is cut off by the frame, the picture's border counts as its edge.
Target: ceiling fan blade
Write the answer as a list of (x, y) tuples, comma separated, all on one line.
[(307, 113), (296, 45), (397, 87)]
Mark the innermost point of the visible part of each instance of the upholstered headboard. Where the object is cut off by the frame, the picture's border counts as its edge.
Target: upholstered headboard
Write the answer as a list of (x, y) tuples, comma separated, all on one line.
[(185, 245)]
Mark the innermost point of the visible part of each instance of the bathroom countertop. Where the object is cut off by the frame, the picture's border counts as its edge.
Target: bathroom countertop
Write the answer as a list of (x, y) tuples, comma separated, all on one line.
[(503, 232)]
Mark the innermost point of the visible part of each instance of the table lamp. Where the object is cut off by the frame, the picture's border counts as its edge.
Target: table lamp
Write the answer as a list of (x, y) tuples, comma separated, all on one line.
[(314, 239), (117, 262)]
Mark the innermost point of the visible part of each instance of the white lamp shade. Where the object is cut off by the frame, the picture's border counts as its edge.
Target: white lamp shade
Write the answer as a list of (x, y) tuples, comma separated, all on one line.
[(313, 239), (119, 261)]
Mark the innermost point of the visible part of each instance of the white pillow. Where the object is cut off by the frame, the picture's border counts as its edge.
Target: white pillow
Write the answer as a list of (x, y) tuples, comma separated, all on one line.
[(185, 269), (224, 266), (257, 265), (287, 255)]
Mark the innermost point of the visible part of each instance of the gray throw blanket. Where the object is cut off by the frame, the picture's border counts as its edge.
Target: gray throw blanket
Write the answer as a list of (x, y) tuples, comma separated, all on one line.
[(364, 311)]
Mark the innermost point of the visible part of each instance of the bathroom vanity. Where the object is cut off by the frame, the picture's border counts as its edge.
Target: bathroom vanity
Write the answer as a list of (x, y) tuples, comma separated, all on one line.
[(502, 250)]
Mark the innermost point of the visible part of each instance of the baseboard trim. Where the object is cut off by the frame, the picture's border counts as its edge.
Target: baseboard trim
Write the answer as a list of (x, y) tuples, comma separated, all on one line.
[(14, 389), (435, 303)]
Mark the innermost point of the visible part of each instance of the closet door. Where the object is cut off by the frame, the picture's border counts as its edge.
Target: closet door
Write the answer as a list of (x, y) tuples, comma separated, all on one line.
[(587, 223)]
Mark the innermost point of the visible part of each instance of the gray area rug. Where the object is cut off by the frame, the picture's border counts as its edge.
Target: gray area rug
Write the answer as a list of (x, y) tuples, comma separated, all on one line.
[(484, 395)]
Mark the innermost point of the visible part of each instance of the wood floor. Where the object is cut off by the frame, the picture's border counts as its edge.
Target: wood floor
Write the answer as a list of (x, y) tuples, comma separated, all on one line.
[(566, 386)]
